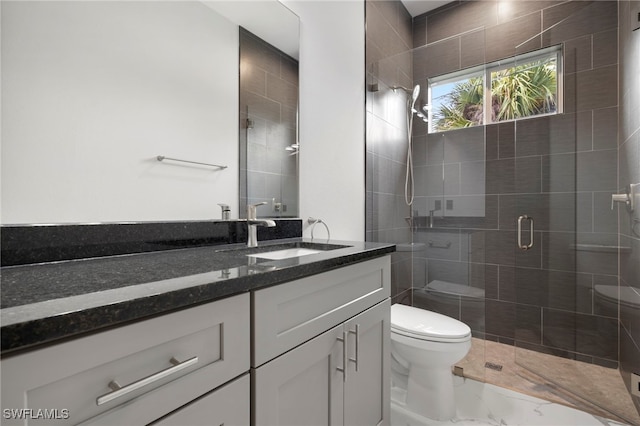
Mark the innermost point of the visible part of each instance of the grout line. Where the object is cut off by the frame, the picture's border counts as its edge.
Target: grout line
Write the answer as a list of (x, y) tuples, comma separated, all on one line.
[(591, 50), (593, 213), (541, 325)]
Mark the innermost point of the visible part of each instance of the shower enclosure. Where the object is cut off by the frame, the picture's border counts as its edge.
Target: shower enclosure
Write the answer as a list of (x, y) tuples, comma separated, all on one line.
[(512, 229)]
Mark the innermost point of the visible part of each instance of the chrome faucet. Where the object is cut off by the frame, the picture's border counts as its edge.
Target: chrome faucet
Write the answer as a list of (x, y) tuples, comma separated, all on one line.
[(253, 223)]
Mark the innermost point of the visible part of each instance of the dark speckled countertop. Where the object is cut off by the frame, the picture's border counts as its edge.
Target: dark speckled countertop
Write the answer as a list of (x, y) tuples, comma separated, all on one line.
[(45, 302)]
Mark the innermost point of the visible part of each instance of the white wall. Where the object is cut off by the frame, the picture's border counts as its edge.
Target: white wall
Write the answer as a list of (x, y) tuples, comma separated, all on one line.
[(332, 114), (93, 91)]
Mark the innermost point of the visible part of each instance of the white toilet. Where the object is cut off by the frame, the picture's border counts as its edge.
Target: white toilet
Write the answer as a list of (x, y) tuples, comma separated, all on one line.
[(424, 347)]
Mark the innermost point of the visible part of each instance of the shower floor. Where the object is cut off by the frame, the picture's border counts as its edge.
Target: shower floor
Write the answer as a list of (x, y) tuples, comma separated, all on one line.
[(610, 391)]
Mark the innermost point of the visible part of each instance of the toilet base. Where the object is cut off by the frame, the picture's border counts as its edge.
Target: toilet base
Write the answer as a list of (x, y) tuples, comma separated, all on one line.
[(430, 393), (401, 415)]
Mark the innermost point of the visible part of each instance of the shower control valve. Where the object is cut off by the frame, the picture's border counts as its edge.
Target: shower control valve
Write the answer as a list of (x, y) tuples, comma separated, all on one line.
[(629, 198)]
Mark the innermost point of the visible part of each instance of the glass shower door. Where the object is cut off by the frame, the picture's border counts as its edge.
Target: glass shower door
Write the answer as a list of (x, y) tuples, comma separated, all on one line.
[(565, 242)]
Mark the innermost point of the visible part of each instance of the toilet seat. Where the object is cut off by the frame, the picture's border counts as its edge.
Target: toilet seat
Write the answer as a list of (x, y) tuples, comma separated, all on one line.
[(624, 296), (426, 325)]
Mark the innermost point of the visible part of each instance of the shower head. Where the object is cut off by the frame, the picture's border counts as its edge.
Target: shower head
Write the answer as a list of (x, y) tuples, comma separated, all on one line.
[(414, 96)]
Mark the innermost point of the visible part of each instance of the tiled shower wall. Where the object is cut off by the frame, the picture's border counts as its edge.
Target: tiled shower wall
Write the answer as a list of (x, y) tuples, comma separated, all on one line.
[(629, 172), (559, 169), (388, 64), (268, 120)]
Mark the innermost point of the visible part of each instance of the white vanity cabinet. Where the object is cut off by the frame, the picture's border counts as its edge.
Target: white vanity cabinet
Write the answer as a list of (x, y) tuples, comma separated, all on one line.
[(313, 351), (228, 405), (321, 349), (136, 373)]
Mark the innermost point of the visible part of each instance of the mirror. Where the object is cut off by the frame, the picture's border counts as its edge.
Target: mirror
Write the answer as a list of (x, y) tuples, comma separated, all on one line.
[(268, 106), (268, 128), (94, 92)]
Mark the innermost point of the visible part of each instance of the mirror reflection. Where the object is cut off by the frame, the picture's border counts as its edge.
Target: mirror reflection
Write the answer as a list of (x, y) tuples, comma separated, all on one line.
[(94, 92), (268, 128)]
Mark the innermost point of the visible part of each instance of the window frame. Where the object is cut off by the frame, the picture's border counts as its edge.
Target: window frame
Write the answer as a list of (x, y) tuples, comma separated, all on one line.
[(486, 70)]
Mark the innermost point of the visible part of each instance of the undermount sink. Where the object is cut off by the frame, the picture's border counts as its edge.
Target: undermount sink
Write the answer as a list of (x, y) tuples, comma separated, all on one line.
[(285, 254), (290, 250)]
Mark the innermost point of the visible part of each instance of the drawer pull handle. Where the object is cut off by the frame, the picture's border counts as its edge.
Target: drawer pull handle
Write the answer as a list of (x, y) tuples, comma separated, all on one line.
[(343, 369), (357, 333), (119, 391)]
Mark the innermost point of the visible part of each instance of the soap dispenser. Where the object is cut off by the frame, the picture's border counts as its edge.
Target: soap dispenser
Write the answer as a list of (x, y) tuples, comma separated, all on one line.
[(226, 211)]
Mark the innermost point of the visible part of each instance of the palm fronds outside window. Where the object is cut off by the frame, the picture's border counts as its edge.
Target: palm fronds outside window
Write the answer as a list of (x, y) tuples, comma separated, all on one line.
[(522, 88)]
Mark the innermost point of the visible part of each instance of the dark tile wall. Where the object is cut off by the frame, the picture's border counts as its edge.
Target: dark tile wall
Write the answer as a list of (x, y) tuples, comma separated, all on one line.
[(561, 170), (629, 172), (269, 100), (388, 62)]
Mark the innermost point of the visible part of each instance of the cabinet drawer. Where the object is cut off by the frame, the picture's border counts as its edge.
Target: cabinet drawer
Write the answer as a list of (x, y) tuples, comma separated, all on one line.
[(160, 364), (228, 405), (290, 314)]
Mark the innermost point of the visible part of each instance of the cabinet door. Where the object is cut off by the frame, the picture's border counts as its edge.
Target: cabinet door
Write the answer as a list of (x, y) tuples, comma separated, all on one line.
[(303, 387), (366, 400), (228, 405)]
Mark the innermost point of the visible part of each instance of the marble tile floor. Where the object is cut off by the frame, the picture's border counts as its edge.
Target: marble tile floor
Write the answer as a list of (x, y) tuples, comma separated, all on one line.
[(483, 404), (540, 375)]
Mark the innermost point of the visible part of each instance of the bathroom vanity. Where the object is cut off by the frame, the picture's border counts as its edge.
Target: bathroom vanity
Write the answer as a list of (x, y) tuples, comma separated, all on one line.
[(249, 340), (340, 376)]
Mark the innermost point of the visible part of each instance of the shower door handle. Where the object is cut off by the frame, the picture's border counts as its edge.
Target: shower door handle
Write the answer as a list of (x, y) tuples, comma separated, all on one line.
[(522, 246)]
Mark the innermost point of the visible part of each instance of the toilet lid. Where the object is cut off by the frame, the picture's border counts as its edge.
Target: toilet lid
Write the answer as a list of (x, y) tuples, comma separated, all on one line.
[(426, 325)]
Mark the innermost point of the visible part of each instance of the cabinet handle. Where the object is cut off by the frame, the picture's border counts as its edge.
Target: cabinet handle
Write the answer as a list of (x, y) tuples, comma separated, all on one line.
[(357, 333), (531, 233), (119, 391), (343, 339)]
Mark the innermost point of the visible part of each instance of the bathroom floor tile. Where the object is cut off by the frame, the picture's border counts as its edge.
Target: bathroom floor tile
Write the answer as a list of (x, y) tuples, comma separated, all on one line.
[(483, 404), (549, 378)]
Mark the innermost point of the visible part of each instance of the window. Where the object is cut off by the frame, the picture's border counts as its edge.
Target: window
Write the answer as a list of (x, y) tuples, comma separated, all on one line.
[(519, 87)]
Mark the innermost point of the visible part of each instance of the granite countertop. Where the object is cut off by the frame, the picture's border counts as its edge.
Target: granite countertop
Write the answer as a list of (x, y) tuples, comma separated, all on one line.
[(45, 302)]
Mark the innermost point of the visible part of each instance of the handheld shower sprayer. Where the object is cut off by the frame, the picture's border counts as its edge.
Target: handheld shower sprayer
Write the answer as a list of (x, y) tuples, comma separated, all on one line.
[(411, 103), (409, 184), (414, 96), (413, 93)]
